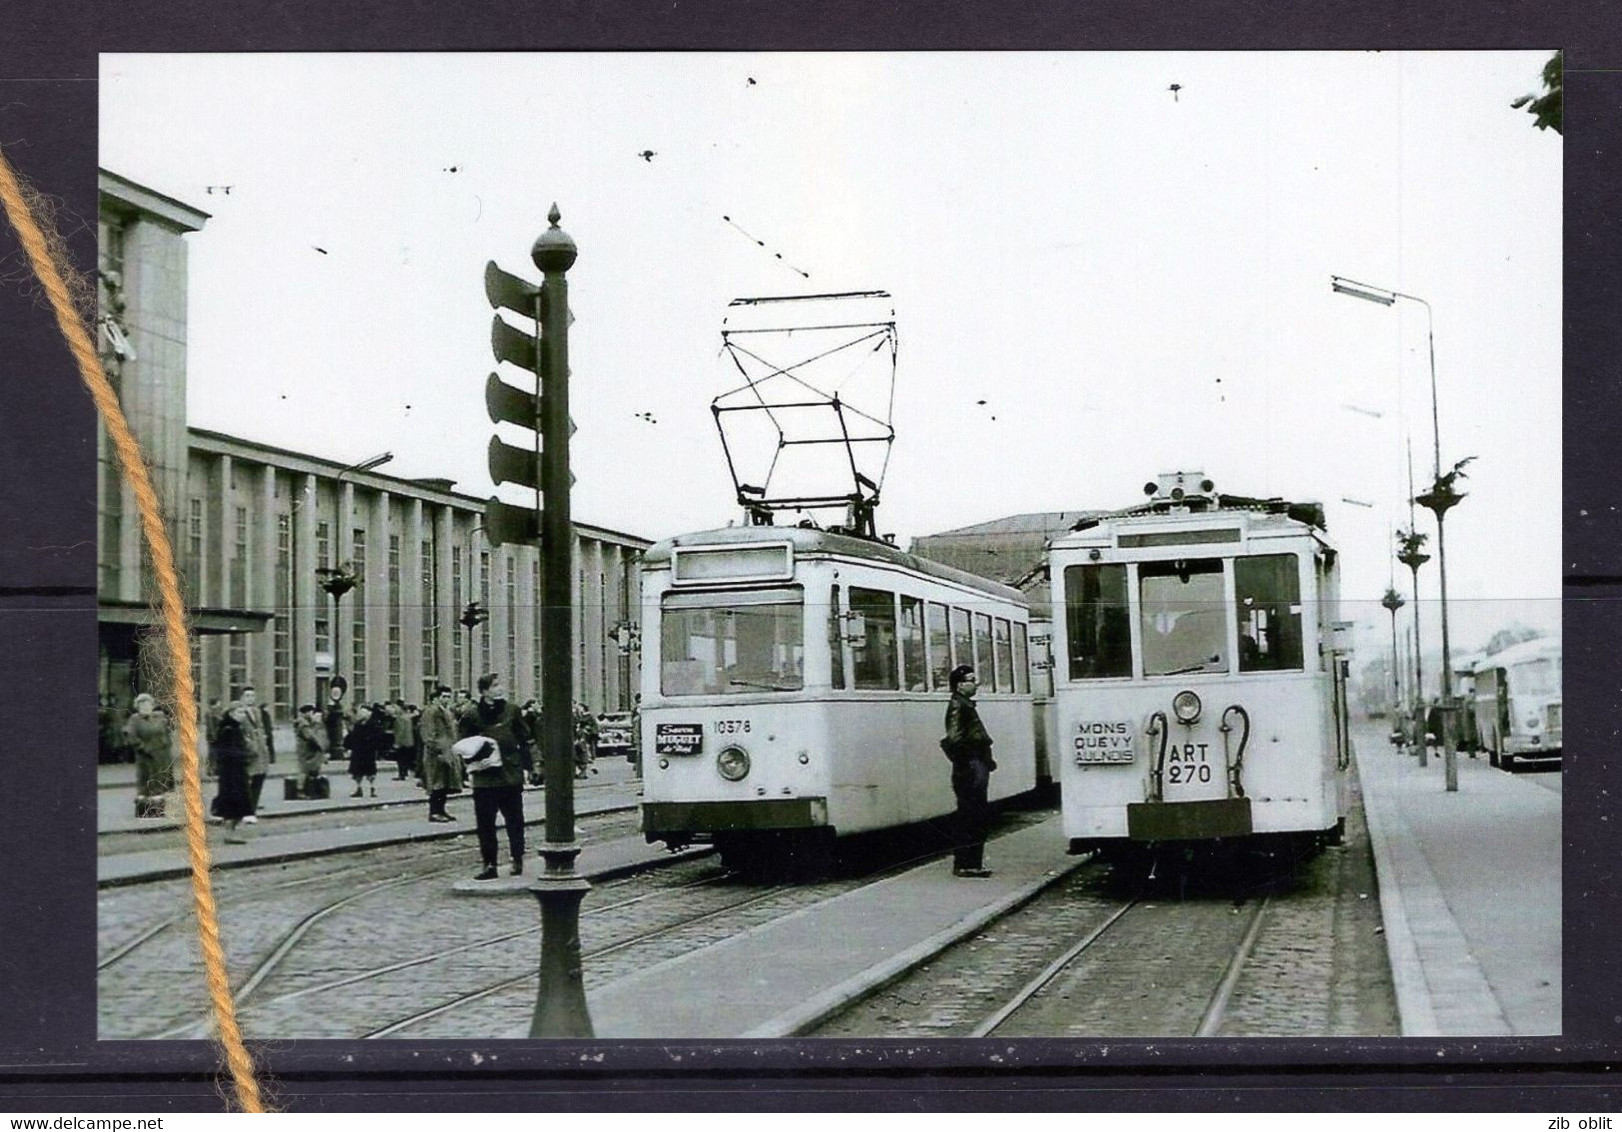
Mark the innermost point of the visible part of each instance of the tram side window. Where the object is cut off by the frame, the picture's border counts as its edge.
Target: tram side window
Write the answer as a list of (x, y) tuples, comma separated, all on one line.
[(836, 640), (914, 672), (940, 647), (1097, 621), (984, 668), (1002, 638), (962, 640), (873, 656), (1267, 596), (1022, 661)]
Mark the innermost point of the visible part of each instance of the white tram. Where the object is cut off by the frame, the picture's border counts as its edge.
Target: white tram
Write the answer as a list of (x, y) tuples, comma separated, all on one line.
[(1199, 684), (794, 687)]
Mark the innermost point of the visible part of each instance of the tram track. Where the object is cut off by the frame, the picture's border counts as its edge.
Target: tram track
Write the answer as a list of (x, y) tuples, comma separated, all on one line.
[(317, 843), (482, 993), (1216, 1005), (800, 895), (1092, 956), (188, 914), (266, 968)]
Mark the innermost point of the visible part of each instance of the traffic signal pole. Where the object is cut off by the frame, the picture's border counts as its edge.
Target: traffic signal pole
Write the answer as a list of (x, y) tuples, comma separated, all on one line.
[(560, 1005)]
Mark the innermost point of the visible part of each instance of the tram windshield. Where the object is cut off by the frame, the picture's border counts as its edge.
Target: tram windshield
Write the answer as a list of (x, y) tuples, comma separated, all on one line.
[(715, 644), (1539, 677), (1182, 617)]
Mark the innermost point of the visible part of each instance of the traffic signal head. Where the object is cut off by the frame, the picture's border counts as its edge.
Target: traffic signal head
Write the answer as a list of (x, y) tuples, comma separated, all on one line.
[(508, 464), (504, 523)]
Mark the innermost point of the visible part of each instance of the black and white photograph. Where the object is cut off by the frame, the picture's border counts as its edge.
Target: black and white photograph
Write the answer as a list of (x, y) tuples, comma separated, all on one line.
[(863, 545)]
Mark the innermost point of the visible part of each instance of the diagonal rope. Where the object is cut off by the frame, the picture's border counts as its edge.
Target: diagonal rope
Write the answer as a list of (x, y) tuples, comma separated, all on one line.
[(47, 255)]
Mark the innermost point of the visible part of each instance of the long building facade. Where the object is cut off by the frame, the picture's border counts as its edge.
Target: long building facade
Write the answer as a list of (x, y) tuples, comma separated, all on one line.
[(261, 533)]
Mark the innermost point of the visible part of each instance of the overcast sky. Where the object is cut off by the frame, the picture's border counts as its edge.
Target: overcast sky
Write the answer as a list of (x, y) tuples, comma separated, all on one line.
[(1095, 279)]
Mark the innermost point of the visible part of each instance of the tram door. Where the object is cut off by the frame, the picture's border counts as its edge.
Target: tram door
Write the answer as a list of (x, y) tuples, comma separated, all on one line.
[(1045, 718)]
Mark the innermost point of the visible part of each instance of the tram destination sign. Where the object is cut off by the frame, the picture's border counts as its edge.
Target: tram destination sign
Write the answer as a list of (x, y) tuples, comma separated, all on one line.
[(1105, 741), (678, 738)]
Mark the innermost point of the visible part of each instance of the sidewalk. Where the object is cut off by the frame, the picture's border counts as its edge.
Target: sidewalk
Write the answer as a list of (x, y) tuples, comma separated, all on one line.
[(115, 794), (1469, 892), (784, 976), (274, 840)]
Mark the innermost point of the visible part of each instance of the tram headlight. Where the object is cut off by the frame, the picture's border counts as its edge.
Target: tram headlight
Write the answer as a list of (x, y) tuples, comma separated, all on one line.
[(1185, 705), (733, 763), (1532, 723)]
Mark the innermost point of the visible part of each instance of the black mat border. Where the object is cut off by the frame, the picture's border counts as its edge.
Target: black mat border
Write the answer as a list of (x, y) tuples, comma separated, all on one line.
[(47, 633)]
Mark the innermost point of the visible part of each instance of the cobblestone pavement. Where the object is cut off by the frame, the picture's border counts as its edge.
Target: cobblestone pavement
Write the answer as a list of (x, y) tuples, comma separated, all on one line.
[(378, 937), (158, 986), (1318, 966)]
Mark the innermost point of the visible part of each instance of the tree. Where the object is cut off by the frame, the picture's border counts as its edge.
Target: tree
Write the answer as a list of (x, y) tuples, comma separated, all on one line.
[(1546, 108)]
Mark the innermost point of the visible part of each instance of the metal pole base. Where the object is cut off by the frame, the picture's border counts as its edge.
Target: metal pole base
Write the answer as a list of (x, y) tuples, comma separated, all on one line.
[(560, 1002)]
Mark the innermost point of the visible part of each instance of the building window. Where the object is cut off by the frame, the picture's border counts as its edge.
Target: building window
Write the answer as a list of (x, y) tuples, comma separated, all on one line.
[(536, 606), (456, 606), (484, 599), (239, 561), (395, 645), (357, 632), (512, 622), (323, 559), (430, 613), (112, 519), (238, 664), (282, 641), (194, 547)]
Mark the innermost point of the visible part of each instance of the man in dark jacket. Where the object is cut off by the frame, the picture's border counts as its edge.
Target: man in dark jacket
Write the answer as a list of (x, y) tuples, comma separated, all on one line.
[(499, 789), (969, 747)]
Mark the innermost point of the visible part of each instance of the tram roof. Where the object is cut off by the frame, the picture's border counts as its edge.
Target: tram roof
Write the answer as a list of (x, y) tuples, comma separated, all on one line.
[(1307, 514), (1521, 651), (810, 541)]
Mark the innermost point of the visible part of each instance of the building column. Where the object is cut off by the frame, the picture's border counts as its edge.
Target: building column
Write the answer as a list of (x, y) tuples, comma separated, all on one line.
[(262, 584), (216, 669), (613, 597), (575, 566), (528, 639), (596, 610), (377, 607), (445, 611), (414, 611)]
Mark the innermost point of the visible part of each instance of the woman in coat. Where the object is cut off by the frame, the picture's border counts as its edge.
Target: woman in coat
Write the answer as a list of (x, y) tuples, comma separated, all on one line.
[(371, 734), (149, 732), (234, 799)]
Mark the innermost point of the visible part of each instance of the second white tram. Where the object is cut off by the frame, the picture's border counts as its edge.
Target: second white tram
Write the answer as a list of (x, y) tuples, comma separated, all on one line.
[(794, 687), (1199, 688)]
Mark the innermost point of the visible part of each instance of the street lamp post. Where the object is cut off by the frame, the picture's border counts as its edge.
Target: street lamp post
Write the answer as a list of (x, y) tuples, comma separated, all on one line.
[(1441, 500), (339, 580), (474, 615), (1438, 500)]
